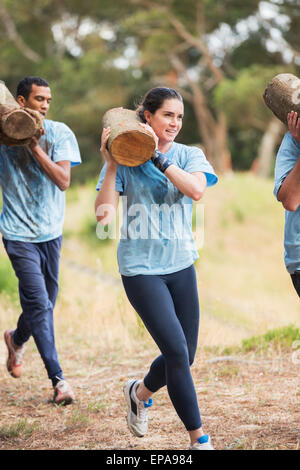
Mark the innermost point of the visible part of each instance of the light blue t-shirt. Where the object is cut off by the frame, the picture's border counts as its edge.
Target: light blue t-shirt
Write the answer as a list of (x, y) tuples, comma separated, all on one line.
[(33, 206), (287, 156), (156, 235)]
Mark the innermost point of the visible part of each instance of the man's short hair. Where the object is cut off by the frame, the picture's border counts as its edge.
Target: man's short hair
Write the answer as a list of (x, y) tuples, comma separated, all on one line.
[(25, 86)]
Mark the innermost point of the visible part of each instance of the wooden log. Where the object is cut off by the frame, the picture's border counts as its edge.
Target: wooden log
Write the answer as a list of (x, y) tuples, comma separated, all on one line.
[(282, 95), (17, 124), (129, 143), (5, 96)]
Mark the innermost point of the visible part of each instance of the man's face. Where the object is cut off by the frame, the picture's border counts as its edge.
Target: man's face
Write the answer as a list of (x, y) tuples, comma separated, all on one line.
[(38, 100)]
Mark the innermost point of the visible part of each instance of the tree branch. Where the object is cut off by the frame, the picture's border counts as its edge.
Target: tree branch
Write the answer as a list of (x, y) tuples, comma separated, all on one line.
[(184, 34), (13, 35), (200, 23), (204, 116)]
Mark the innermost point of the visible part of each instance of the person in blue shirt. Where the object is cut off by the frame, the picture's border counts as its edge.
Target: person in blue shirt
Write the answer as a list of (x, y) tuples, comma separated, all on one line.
[(33, 180), (156, 255), (287, 191)]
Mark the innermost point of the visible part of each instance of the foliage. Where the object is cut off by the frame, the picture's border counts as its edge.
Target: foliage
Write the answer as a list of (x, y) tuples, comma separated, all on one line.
[(98, 55), (278, 338), (8, 280), (241, 98)]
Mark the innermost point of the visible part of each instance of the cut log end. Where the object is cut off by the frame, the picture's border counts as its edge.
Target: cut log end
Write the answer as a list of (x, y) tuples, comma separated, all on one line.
[(19, 125), (132, 148), (130, 144)]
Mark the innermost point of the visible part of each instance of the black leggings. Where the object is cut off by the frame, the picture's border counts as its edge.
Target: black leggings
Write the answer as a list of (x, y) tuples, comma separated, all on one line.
[(296, 281), (168, 305)]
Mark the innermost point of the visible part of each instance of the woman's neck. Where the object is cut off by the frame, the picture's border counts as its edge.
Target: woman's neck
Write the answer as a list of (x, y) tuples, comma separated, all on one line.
[(164, 147)]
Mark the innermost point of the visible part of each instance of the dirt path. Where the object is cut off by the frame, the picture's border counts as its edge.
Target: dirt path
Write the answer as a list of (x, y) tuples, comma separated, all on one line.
[(248, 403)]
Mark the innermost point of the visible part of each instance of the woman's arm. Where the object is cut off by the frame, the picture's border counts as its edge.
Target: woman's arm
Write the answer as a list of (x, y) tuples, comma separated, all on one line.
[(191, 184), (107, 200)]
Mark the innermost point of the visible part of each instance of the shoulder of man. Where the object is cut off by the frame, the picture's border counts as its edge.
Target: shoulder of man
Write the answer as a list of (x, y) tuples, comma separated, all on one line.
[(289, 141), (57, 126)]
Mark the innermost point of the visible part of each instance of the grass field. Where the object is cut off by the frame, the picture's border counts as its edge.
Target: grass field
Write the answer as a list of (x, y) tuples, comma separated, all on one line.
[(244, 292)]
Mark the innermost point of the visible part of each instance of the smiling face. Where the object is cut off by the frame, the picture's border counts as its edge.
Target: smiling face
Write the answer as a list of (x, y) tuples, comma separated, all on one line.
[(39, 99), (166, 121)]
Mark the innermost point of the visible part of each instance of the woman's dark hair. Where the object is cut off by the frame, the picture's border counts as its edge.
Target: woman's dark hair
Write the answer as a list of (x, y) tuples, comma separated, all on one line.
[(25, 86), (154, 99)]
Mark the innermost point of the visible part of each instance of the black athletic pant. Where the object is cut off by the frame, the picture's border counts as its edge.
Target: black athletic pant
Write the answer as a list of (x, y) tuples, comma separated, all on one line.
[(168, 305), (296, 281)]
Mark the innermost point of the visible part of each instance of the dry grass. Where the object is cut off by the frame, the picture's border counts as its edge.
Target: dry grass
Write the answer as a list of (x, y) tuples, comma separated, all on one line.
[(251, 405)]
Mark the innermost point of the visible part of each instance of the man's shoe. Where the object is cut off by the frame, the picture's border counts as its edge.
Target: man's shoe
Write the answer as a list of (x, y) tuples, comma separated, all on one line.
[(137, 416), (15, 356), (63, 394), (202, 443)]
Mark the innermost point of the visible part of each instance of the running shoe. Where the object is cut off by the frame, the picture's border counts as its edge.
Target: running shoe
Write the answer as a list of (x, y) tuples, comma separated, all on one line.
[(202, 443), (15, 356), (137, 416), (63, 394)]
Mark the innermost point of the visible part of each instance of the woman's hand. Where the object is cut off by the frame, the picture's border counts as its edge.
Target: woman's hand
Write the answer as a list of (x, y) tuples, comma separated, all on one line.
[(149, 128), (103, 148), (294, 125)]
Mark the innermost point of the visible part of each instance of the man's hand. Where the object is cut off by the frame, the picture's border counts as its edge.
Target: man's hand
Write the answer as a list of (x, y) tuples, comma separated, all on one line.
[(35, 140), (294, 125)]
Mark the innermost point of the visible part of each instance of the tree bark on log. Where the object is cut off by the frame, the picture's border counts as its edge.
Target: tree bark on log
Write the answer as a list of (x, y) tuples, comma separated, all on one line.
[(130, 144), (17, 124), (282, 95)]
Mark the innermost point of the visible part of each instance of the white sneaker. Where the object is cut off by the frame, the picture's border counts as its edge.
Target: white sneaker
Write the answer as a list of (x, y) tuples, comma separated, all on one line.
[(202, 443), (63, 394), (137, 416)]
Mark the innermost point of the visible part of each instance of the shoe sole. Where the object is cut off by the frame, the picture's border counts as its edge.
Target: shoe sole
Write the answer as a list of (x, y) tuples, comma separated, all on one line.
[(131, 427), (65, 402)]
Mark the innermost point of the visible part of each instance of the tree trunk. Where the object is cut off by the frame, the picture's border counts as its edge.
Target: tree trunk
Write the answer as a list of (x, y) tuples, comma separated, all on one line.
[(130, 144), (262, 165), (213, 132), (221, 156), (282, 95), (17, 125)]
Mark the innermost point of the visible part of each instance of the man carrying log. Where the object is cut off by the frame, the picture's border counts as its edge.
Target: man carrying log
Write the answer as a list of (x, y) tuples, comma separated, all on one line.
[(287, 191), (33, 178)]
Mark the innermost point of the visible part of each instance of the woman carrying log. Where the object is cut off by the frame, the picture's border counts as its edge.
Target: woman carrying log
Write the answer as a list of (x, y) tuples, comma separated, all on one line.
[(157, 270)]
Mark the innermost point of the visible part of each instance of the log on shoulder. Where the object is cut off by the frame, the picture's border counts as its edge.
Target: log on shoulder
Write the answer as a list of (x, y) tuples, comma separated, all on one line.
[(129, 144), (17, 125), (282, 95)]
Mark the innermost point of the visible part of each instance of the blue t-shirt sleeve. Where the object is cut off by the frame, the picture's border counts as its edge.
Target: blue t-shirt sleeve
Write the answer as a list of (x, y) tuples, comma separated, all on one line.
[(196, 161), (66, 146), (287, 156), (119, 179)]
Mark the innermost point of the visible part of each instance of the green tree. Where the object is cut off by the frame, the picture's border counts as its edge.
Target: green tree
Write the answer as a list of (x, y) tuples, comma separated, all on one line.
[(102, 54)]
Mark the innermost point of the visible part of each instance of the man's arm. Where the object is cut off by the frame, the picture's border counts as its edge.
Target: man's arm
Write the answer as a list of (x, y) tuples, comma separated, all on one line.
[(59, 173), (289, 192)]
